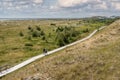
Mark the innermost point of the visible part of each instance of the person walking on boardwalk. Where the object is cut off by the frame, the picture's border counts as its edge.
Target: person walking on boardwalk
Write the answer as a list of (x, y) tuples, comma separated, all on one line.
[(45, 51)]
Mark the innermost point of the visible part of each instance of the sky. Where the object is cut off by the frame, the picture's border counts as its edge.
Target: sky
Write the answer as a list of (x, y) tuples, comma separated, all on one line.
[(58, 8)]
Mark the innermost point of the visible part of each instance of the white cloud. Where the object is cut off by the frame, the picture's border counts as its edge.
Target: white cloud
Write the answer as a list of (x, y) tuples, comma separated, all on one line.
[(61, 7), (38, 1), (101, 5), (104, 5), (116, 5), (79, 5), (19, 4), (71, 3)]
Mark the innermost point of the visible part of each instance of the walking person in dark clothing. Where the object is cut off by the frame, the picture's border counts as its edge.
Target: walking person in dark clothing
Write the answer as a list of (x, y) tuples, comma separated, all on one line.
[(45, 51)]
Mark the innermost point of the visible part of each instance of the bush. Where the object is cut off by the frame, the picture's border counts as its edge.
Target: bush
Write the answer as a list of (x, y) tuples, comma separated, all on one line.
[(53, 24), (21, 34), (35, 34), (74, 33), (60, 42), (60, 39), (46, 41), (43, 38), (85, 31), (49, 34), (29, 28), (28, 44), (38, 28), (59, 29), (65, 35), (42, 33)]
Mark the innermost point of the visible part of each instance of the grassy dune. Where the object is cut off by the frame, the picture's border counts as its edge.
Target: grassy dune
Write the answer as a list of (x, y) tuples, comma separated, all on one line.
[(95, 59), (13, 49)]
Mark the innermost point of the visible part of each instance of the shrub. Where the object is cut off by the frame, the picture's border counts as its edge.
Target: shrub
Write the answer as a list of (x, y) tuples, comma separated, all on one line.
[(35, 34), (46, 41), (65, 35), (60, 42), (85, 31), (42, 33), (29, 38), (60, 39), (21, 33), (74, 33), (38, 28), (59, 29), (43, 38), (53, 24), (49, 34), (28, 44), (29, 28)]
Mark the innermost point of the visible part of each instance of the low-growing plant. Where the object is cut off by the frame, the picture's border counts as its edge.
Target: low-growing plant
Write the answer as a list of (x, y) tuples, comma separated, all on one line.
[(29, 38), (49, 35), (28, 44), (85, 31), (35, 34), (29, 28), (53, 24), (42, 33), (38, 28), (21, 33), (43, 38)]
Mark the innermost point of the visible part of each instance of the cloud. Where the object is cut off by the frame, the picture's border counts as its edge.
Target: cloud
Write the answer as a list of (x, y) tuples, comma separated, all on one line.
[(71, 3), (19, 4), (102, 7), (38, 1), (81, 5), (116, 5), (60, 7)]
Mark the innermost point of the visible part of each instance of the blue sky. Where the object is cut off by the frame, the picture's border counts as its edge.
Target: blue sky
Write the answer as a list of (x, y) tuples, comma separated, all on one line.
[(58, 8)]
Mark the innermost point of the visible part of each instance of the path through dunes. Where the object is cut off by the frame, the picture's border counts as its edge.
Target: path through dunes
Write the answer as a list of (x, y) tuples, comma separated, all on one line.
[(12, 69), (96, 58)]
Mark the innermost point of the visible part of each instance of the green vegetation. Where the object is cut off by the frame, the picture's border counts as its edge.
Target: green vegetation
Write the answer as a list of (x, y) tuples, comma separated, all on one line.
[(66, 35), (95, 59), (20, 40), (21, 33)]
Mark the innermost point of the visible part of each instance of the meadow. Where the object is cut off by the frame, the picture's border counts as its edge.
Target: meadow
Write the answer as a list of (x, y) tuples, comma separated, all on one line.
[(23, 39)]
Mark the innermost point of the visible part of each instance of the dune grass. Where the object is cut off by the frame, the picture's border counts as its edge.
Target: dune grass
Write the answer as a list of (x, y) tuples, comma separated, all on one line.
[(13, 49), (94, 59)]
